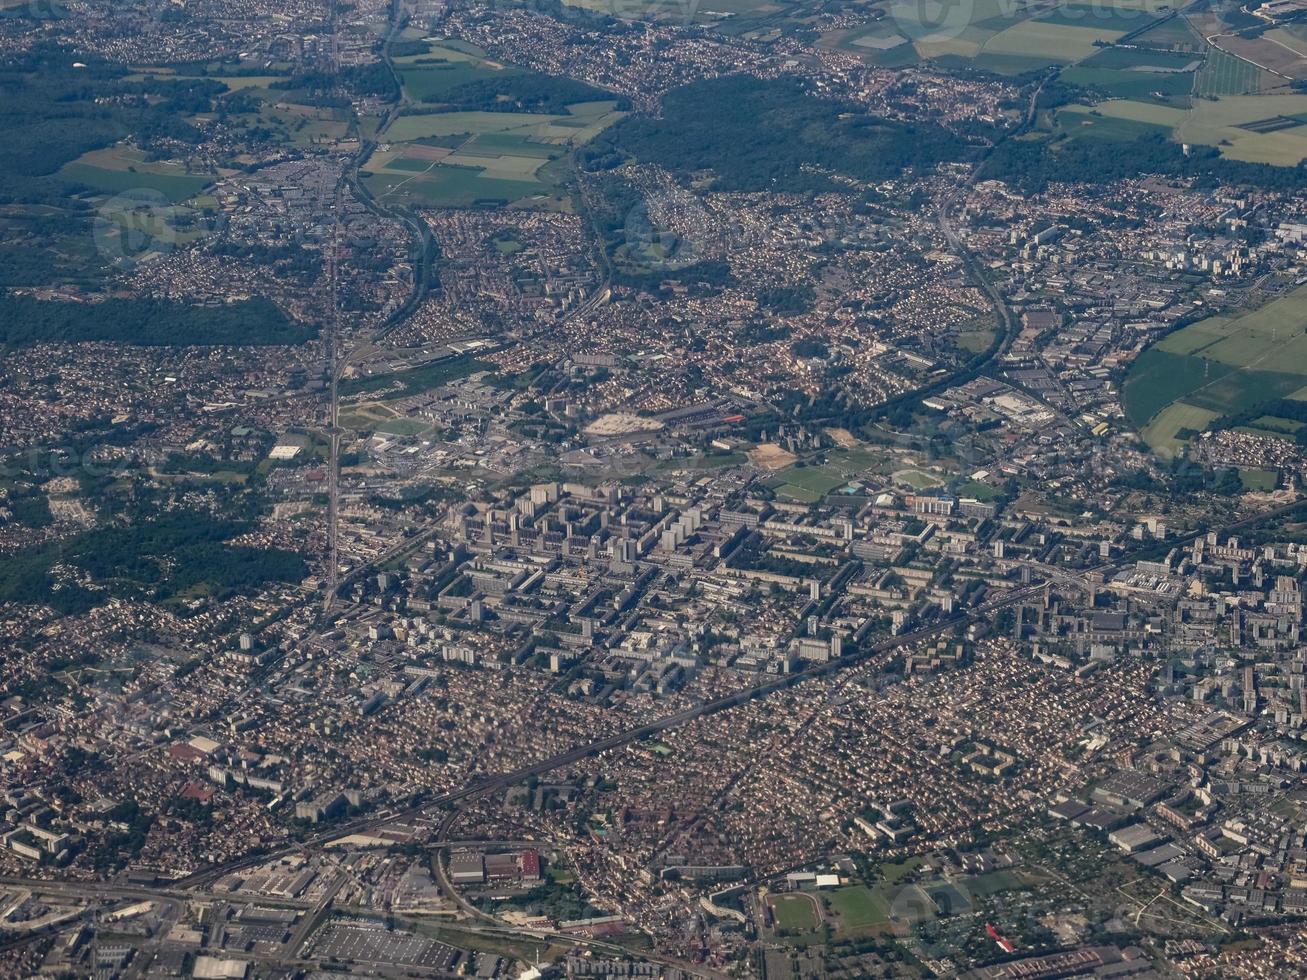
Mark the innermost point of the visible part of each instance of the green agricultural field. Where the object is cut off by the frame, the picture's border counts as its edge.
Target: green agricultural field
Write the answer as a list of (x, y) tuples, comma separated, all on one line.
[(1277, 424), (1173, 32), (1257, 430), (1253, 128), (1057, 41), (1131, 83), (1218, 366), (495, 158), (1144, 112), (428, 76), (236, 83), (175, 187), (1224, 74), (1144, 59), (1272, 336), (1118, 19), (454, 187)]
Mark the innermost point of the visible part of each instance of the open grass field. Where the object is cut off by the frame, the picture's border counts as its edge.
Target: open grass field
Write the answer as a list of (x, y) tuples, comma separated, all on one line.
[(417, 379), (1260, 480), (1061, 42), (1255, 128), (404, 427), (1141, 112), (1144, 59), (1004, 36), (975, 340), (895, 871), (1082, 123), (1172, 32), (365, 417), (1291, 36), (1162, 433), (176, 188), (1212, 122), (121, 168), (1276, 424), (454, 187), (859, 909), (1267, 52), (1117, 19), (1250, 340), (443, 67), (1218, 366)]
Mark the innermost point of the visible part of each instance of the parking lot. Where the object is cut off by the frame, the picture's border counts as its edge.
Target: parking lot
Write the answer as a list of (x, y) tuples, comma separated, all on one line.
[(373, 944)]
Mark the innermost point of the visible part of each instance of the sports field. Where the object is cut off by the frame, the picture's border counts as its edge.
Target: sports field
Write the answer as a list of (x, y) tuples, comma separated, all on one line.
[(809, 484), (795, 913)]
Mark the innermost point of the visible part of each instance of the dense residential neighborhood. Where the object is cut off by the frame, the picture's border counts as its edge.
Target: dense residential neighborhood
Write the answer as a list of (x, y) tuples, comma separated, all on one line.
[(649, 490)]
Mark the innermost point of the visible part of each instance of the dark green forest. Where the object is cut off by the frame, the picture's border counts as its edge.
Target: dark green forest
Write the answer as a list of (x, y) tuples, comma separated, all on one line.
[(765, 134), (25, 320), (183, 552), (519, 91)]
